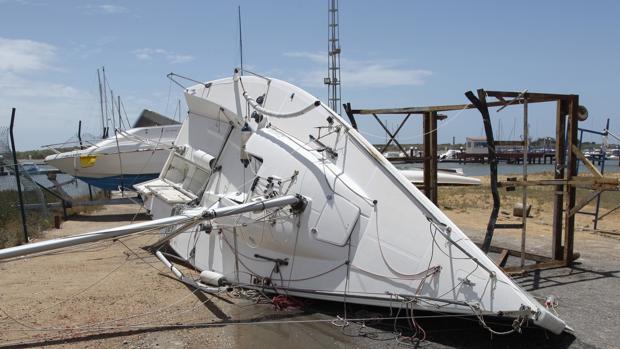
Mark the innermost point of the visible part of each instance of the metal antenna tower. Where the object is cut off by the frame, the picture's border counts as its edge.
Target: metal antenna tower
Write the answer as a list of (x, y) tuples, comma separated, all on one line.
[(333, 70)]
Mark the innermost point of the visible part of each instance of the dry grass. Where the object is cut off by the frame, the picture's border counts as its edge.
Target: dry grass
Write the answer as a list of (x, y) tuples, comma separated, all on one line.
[(37, 220), (476, 201)]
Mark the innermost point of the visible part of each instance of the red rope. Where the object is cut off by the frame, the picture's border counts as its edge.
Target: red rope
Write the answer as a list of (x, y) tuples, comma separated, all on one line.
[(282, 302)]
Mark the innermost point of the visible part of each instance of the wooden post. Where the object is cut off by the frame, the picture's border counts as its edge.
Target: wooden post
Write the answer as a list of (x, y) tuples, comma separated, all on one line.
[(347, 110), (526, 160), (558, 202), (571, 170)]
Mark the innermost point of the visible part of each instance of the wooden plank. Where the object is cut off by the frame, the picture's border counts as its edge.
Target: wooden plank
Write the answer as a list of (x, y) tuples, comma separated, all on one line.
[(347, 110), (532, 98), (386, 131), (514, 253), (427, 109), (608, 212), (412, 110), (509, 226), (536, 266), (612, 181), (392, 136), (531, 95), (584, 201), (503, 258), (603, 183), (586, 161)]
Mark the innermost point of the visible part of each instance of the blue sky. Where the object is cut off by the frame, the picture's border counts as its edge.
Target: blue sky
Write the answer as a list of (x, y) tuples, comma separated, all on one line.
[(394, 54)]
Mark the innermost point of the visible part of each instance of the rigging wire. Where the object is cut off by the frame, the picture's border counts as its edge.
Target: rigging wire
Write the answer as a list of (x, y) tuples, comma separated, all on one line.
[(169, 93)]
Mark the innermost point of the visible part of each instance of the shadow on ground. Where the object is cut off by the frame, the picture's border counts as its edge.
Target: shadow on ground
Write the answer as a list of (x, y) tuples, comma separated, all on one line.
[(136, 217), (577, 273)]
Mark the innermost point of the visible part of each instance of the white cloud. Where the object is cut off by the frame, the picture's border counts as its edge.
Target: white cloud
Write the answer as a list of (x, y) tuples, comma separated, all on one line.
[(181, 58), (20, 55), (47, 112), (45, 108), (15, 86), (364, 73), (111, 9), (20, 2), (317, 57), (104, 9), (171, 57), (384, 75)]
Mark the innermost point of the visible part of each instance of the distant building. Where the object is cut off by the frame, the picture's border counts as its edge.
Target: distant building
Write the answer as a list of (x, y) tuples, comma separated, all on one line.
[(476, 145)]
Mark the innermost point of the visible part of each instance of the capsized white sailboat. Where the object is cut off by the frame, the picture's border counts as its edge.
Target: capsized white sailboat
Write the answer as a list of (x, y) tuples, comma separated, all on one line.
[(367, 234), (270, 188), (124, 159)]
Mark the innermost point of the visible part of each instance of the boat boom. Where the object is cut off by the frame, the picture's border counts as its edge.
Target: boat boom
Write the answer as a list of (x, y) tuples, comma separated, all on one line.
[(297, 203)]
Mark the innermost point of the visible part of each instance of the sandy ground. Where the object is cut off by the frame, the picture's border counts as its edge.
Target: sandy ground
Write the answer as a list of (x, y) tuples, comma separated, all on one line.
[(116, 295)]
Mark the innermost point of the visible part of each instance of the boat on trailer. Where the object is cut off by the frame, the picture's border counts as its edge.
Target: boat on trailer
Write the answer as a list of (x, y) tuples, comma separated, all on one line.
[(269, 188)]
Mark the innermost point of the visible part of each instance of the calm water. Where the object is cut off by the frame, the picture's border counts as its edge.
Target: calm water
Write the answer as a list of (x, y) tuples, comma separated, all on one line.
[(74, 189)]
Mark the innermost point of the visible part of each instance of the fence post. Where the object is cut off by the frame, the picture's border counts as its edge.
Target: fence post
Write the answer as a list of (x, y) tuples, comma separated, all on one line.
[(19, 184)]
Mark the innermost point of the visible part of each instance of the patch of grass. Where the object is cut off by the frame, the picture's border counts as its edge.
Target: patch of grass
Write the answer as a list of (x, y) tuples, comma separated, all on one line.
[(11, 229), (37, 219)]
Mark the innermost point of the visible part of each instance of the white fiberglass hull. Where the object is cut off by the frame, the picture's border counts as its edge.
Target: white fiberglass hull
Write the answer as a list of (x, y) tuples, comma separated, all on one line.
[(135, 157), (416, 176), (367, 234)]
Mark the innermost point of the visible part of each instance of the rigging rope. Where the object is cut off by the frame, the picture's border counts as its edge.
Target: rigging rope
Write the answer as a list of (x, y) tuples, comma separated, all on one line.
[(268, 112)]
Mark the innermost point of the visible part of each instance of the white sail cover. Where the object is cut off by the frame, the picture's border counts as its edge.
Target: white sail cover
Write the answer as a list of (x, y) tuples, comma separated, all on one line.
[(367, 234)]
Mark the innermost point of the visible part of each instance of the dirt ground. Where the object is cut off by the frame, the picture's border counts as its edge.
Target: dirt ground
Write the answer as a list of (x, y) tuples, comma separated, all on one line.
[(470, 207), (116, 295)]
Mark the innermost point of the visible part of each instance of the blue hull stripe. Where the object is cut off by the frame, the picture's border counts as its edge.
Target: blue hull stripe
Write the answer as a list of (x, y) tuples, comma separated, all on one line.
[(114, 182)]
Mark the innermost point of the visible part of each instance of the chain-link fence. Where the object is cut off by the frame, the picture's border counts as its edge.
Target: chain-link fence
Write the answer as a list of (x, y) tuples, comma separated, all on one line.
[(38, 217)]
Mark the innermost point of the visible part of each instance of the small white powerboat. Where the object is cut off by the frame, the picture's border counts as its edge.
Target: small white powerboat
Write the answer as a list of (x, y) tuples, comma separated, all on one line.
[(126, 158), (444, 177)]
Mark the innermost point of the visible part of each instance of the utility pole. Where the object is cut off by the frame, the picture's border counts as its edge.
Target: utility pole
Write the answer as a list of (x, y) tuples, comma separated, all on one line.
[(333, 51), (240, 43)]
